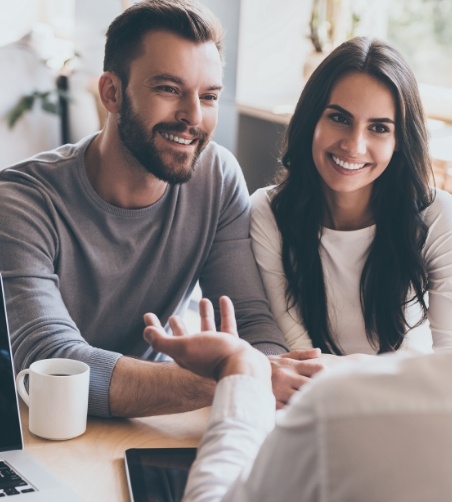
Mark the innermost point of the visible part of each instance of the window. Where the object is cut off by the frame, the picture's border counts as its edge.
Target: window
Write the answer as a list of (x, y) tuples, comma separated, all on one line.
[(421, 30)]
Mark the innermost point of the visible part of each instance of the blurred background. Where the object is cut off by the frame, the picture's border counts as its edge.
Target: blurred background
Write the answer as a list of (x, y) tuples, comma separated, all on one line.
[(51, 55)]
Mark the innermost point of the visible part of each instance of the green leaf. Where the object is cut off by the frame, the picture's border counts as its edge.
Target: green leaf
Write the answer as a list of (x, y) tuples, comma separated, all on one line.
[(24, 104)]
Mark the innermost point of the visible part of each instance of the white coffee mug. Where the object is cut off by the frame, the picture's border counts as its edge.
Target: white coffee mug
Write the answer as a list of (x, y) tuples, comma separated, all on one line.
[(57, 397)]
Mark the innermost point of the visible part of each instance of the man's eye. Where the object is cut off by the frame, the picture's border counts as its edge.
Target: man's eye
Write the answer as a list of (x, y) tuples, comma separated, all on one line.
[(210, 97), (167, 88)]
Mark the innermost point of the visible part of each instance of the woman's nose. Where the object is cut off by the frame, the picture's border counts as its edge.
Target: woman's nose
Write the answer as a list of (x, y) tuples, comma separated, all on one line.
[(354, 143)]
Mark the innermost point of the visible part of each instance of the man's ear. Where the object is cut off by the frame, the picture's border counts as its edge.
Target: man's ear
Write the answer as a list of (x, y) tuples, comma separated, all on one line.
[(110, 91)]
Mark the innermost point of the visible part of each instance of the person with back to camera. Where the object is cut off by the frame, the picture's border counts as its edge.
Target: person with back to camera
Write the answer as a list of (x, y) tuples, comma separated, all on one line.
[(353, 245), (96, 234)]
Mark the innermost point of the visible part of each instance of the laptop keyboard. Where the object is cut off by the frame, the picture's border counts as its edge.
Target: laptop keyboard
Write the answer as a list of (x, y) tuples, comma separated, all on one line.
[(11, 483)]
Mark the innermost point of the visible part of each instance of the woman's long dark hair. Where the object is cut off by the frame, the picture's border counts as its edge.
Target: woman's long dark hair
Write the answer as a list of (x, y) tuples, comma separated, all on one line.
[(394, 274)]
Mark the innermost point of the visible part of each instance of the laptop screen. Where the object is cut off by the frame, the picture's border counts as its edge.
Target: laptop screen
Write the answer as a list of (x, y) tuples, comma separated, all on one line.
[(10, 431)]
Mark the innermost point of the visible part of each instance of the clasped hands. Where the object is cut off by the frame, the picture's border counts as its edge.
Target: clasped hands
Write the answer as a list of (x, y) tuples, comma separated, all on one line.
[(213, 354)]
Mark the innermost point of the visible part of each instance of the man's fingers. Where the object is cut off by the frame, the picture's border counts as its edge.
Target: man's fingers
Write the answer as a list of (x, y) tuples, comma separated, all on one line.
[(177, 326), (151, 320), (153, 327), (207, 315), (157, 337), (228, 322)]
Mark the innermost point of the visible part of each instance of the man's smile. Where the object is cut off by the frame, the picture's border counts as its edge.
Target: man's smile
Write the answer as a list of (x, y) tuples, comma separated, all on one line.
[(177, 139)]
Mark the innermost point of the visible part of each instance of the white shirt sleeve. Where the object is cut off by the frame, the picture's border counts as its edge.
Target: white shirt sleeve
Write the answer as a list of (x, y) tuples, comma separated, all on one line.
[(243, 413), (266, 243)]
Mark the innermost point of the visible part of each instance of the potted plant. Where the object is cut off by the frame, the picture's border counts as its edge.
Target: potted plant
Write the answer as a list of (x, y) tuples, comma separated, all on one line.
[(331, 23), (54, 100)]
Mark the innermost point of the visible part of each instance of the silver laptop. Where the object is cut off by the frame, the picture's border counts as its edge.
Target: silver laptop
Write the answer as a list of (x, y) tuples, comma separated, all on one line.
[(22, 477)]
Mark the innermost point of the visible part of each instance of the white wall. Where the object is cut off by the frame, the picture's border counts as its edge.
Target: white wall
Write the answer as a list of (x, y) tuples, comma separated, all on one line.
[(273, 43), (22, 72)]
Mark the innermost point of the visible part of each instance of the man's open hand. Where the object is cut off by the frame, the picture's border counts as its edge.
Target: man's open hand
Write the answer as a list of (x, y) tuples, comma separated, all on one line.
[(209, 353)]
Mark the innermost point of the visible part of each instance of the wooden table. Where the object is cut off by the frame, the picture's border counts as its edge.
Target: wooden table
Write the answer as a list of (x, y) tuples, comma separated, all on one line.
[(93, 464)]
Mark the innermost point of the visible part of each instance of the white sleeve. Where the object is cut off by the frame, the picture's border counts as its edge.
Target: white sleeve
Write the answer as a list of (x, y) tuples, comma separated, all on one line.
[(438, 256), (243, 413), (266, 243)]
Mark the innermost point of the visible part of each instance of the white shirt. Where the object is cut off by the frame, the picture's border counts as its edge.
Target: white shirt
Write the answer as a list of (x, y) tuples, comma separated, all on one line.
[(343, 254), (379, 432)]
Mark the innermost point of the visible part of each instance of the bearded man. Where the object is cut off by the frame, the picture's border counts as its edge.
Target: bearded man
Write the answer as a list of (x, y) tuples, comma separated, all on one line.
[(127, 221)]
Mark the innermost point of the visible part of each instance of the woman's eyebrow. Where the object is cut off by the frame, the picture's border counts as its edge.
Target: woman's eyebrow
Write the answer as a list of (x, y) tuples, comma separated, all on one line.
[(339, 109), (345, 112)]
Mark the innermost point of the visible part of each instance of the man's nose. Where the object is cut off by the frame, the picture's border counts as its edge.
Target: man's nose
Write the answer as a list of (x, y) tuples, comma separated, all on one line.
[(190, 111)]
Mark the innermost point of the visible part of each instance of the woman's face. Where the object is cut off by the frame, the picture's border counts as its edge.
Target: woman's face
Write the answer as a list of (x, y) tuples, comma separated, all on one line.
[(355, 136)]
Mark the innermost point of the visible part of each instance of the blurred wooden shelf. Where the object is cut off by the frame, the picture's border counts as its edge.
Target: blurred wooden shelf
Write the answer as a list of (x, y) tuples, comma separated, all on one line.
[(441, 153)]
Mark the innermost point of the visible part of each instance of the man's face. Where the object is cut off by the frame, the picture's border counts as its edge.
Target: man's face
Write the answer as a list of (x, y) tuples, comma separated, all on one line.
[(169, 109)]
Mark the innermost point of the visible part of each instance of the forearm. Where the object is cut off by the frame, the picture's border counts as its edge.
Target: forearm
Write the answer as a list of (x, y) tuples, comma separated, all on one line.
[(141, 388)]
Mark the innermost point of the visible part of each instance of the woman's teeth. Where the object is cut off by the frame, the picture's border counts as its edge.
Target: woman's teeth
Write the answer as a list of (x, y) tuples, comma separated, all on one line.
[(176, 139), (347, 165)]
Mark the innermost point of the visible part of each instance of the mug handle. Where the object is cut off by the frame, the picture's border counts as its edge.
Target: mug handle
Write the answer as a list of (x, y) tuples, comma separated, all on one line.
[(21, 386)]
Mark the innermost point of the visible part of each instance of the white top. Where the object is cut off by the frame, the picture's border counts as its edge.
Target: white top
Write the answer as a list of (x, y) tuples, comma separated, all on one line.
[(343, 254), (375, 432)]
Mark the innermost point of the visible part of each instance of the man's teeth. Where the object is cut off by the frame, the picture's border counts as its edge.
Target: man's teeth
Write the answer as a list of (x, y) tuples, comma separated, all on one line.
[(176, 139), (347, 165)]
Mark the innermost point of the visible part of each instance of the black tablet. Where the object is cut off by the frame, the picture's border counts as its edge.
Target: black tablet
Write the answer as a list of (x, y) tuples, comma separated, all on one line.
[(158, 474)]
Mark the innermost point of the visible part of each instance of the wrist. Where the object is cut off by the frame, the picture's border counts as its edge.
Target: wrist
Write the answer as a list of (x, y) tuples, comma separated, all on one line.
[(251, 363)]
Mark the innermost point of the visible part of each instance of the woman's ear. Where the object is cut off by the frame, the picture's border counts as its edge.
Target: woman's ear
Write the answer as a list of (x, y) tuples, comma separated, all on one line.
[(110, 91)]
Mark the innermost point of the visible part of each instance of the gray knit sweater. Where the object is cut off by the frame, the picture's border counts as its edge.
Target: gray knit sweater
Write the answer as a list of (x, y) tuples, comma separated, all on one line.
[(80, 273)]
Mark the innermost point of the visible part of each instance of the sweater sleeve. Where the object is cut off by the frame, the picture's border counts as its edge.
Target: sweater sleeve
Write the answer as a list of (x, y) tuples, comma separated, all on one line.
[(231, 270), (40, 325), (266, 243)]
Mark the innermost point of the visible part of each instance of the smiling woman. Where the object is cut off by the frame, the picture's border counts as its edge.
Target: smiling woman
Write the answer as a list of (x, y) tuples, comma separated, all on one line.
[(348, 237), (353, 144)]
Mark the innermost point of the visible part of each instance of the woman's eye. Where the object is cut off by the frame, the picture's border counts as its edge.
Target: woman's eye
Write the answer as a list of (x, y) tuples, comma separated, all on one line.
[(380, 128), (339, 118)]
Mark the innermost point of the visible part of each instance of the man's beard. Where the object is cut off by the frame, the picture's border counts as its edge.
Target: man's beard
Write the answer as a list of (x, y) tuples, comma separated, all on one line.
[(141, 144)]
